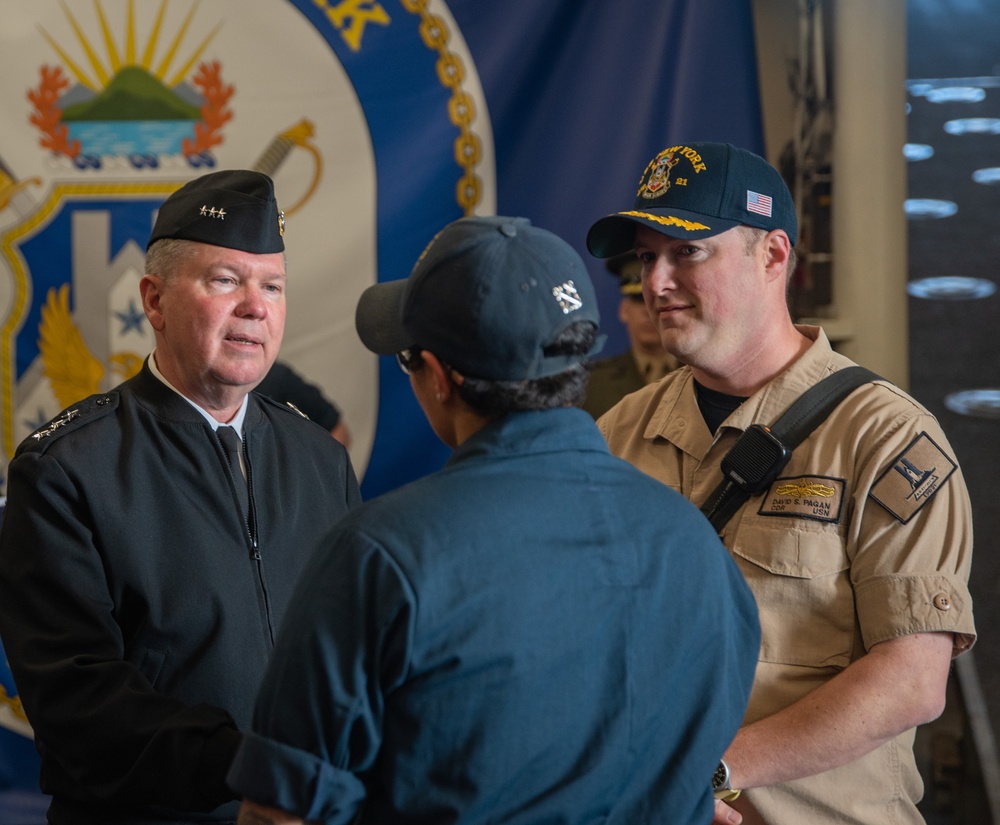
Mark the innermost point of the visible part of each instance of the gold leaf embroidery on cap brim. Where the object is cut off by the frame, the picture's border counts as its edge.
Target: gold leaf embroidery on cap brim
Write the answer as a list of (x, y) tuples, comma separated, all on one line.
[(669, 220)]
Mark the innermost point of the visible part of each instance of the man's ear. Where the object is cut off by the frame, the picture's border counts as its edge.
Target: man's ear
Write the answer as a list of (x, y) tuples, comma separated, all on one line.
[(777, 250), (151, 292)]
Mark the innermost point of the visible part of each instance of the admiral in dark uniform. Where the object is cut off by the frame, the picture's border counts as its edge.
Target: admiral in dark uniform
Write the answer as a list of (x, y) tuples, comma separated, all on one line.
[(143, 575)]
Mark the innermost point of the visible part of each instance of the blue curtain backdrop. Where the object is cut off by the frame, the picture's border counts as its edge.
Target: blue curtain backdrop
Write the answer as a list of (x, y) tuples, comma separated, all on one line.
[(581, 95)]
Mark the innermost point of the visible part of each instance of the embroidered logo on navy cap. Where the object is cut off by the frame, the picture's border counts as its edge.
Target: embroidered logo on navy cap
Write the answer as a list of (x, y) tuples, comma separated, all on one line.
[(568, 297), (659, 178)]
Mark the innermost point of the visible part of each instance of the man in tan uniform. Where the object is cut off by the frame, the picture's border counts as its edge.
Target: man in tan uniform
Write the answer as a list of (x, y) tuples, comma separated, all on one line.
[(859, 551)]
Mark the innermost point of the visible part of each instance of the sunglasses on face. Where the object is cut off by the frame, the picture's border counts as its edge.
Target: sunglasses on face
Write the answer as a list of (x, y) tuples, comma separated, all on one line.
[(409, 359)]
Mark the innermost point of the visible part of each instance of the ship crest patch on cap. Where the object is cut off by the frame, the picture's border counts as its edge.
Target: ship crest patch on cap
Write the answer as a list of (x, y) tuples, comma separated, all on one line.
[(658, 180)]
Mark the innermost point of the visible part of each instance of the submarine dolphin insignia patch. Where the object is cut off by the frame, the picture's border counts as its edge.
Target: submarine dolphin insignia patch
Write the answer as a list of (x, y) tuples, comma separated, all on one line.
[(818, 498)]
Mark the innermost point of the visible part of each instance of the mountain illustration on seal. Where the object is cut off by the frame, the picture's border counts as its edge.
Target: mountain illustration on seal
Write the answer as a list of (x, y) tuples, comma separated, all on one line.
[(133, 94), (143, 101)]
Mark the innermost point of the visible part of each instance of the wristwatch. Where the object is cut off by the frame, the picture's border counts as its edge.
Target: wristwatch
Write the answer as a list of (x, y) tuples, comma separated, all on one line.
[(720, 783)]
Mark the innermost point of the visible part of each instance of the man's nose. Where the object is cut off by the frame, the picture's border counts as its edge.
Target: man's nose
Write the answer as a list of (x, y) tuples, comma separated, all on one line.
[(252, 303), (658, 275)]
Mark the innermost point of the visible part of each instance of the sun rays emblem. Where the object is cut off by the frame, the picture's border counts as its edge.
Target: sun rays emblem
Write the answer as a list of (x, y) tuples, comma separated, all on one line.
[(138, 100)]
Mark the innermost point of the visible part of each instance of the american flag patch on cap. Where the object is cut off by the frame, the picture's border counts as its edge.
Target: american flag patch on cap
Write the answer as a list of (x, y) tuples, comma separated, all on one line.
[(761, 204)]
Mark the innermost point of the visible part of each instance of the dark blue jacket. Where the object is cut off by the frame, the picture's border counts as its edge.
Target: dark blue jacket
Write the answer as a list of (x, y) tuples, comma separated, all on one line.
[(135, 610), (536, 633)]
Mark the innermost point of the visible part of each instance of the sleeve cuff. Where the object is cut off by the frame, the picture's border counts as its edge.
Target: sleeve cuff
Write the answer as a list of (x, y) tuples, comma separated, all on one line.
[(896, 606), (281, 776)]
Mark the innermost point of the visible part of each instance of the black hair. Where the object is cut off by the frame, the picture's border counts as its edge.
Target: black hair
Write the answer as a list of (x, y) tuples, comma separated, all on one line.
[(492, 399)]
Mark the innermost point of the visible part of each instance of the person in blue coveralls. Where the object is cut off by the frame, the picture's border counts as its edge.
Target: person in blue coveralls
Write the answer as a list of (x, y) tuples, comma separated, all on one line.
[(538, 632)]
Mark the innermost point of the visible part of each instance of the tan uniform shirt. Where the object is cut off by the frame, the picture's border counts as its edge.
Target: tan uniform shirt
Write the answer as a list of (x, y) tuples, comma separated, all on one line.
[(865, 536)]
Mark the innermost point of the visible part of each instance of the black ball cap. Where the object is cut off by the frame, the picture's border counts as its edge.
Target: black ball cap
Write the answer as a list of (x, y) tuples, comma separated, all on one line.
[(234, 208)]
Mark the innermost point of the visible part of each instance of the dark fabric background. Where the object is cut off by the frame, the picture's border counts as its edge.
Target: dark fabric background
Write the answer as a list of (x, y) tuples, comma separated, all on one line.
[(955, 345)]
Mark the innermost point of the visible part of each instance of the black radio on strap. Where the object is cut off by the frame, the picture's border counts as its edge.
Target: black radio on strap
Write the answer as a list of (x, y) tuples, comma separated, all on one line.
[(762, 452)]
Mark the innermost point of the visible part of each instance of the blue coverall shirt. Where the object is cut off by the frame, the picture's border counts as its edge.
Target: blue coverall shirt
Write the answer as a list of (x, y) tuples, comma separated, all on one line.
[(536, 633)]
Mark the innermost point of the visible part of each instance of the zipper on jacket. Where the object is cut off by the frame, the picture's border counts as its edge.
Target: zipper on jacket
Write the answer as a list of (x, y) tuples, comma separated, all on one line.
[(251, 518)]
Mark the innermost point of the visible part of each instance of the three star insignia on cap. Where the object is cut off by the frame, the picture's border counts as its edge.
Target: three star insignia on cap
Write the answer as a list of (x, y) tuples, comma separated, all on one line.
[(213, 213)]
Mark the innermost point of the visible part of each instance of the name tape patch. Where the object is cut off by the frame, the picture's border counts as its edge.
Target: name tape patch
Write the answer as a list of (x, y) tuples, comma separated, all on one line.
[(820, 498)]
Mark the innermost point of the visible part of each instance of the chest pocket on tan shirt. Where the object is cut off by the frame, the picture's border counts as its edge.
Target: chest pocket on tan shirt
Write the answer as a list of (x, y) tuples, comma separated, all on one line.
[(798, 571)]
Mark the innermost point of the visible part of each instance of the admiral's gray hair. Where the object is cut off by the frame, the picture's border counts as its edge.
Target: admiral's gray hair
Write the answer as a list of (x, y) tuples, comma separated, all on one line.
[(166, 256)]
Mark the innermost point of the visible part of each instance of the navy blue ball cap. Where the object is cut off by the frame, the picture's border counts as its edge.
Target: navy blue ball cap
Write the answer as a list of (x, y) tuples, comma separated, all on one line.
[(697, 191), (487, 296), (234, 208)]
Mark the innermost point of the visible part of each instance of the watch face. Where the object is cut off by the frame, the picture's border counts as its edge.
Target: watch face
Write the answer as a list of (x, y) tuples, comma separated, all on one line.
[(720, 779)]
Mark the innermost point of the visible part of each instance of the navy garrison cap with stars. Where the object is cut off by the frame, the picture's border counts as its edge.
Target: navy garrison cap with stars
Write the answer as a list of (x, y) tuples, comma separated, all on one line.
[(234, 208)]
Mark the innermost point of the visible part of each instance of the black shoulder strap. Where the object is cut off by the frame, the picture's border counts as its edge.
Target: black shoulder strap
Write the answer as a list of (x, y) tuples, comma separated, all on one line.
[(762, 452), (812, 407)]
